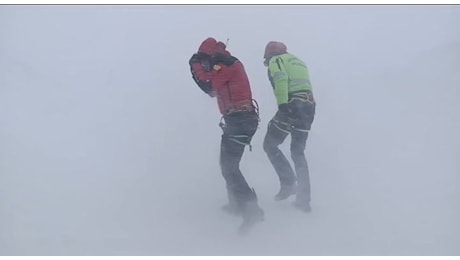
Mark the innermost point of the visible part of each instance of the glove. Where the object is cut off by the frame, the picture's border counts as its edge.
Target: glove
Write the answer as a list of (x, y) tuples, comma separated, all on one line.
[(204, 59), (194, 59)]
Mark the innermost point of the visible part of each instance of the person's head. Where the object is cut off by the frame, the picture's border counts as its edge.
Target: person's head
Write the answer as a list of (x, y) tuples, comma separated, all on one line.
[(274, 48), (208, 46)]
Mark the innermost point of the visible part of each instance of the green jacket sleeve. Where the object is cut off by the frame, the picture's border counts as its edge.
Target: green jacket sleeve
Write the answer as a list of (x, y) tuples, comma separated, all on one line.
[(279, 77)]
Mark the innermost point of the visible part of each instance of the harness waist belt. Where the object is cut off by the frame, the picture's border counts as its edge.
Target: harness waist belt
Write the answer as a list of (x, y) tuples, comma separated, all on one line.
[(305, 96), (245, 105)]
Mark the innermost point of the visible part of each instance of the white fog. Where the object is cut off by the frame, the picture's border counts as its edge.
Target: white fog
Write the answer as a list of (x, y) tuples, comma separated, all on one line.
[(108, 147)]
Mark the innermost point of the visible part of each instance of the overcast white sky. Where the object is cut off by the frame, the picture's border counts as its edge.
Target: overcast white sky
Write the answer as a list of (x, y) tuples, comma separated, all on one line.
[(109, 148)]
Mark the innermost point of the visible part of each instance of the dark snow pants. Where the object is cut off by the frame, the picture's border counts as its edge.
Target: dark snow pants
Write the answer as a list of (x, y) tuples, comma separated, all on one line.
[(239, 129), (298, 125)]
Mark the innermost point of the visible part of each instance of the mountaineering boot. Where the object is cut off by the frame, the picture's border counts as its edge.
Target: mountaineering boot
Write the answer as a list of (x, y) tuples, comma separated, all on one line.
[(251, 213), (232, 206), (302, 205), (285, 192)]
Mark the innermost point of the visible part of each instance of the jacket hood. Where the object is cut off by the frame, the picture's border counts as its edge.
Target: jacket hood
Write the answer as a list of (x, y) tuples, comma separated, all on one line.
[(208, 46), (221, 49)]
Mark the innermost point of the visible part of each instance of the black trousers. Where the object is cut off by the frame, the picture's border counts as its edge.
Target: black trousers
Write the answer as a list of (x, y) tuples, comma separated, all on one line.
[(239, 129), (298, 126)]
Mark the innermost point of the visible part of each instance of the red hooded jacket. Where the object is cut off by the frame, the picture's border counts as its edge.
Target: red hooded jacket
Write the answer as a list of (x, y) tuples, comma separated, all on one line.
[(227, 76)]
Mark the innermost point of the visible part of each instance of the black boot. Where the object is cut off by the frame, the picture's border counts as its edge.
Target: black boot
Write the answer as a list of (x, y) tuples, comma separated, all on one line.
[(285, 192), (251, 213), (232, 207)]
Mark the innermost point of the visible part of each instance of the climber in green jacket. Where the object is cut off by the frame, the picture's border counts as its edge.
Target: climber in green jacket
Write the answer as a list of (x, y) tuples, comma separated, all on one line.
[(291, 84)]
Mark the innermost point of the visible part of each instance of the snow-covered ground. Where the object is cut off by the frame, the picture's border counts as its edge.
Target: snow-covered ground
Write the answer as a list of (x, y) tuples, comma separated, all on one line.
[(107, 146)]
